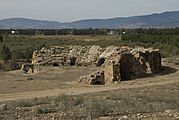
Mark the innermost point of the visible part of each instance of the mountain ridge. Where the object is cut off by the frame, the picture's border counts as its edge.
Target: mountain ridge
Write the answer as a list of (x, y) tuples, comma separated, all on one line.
[(157, 20)]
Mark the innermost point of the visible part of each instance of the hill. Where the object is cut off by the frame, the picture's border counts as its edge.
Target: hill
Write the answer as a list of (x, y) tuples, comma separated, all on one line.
[(166, 19)]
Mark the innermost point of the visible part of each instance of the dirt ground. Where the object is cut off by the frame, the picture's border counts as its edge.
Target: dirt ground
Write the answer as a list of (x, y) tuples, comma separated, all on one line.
[(48, 78), (53, 81), (158, 93)]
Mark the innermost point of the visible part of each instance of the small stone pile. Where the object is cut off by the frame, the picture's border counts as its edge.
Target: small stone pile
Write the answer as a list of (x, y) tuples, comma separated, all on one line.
[(28, 68), (96, 78)]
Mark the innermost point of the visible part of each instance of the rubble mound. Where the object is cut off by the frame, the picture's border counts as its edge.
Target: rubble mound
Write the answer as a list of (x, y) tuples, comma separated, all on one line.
[(96, 78)]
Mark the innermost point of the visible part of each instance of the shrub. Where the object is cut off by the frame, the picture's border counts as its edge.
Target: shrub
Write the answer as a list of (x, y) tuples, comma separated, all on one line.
[(1, 38), (78, 101), (43, 111), (6, 53), (21, 103), (99, 108)]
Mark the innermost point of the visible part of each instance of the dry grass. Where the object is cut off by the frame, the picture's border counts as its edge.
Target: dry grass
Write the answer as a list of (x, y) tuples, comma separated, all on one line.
[(81, 37), (114, 103)]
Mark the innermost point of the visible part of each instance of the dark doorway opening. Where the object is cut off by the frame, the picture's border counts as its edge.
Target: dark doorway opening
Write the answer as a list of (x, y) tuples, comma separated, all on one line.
[(72, 61), (101, 61), (56, 65), (98, 83)]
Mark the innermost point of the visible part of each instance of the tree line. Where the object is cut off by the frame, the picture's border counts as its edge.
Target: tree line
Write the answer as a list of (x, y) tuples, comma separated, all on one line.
[(90, 31), (9, 59)]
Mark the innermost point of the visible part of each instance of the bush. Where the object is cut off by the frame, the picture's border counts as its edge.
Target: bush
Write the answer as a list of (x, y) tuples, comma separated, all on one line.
[(78, 101), (21, 103), (6, 53), (99, 108), (1, 38), (162, 39), (168, 44), (43, 111)]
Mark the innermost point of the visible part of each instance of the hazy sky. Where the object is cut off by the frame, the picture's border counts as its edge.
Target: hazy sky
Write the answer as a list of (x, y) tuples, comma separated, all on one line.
[(70, 10)]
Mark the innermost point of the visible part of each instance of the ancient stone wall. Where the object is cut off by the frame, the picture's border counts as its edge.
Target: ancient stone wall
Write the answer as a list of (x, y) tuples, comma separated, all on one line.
[(75, 55), (121, 63)]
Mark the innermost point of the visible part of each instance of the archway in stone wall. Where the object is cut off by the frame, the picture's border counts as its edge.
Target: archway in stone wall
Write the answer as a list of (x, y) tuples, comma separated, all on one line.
[(126, 66), (98, 83), (73, 61), (100, 61)]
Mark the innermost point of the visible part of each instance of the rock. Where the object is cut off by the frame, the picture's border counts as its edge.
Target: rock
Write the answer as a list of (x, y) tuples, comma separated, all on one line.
[(30, 71), (27, 68), (169, 111), (3, 107), (96, 78), (123, 117), (94, 53), (109, 51)]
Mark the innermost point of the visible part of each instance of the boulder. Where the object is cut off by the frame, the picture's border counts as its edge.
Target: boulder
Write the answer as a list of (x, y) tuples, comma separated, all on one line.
[(109, 52), (27, 68), (94, 53)]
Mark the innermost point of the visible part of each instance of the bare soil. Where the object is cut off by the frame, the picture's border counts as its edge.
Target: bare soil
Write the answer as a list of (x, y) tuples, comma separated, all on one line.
[(154, 97), (54, 81)]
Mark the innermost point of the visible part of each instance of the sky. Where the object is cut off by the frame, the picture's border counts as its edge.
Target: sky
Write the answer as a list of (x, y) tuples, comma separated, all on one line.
[(73, 10)]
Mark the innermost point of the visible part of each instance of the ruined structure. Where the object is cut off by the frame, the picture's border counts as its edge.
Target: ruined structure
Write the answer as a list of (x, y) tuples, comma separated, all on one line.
[(119, 63), (132, 64), (75, 55)]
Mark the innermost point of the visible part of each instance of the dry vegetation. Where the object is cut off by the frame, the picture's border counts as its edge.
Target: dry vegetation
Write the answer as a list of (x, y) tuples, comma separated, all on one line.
[(81, 37), (149, 102)]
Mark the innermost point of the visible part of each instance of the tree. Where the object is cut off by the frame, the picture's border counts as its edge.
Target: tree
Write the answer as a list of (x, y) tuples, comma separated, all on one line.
[(1, 38), (6, 54)]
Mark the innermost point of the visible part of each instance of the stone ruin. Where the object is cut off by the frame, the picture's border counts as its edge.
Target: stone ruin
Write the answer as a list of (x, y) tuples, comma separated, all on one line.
[(136, 63), (75, 55), (118, 63)]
